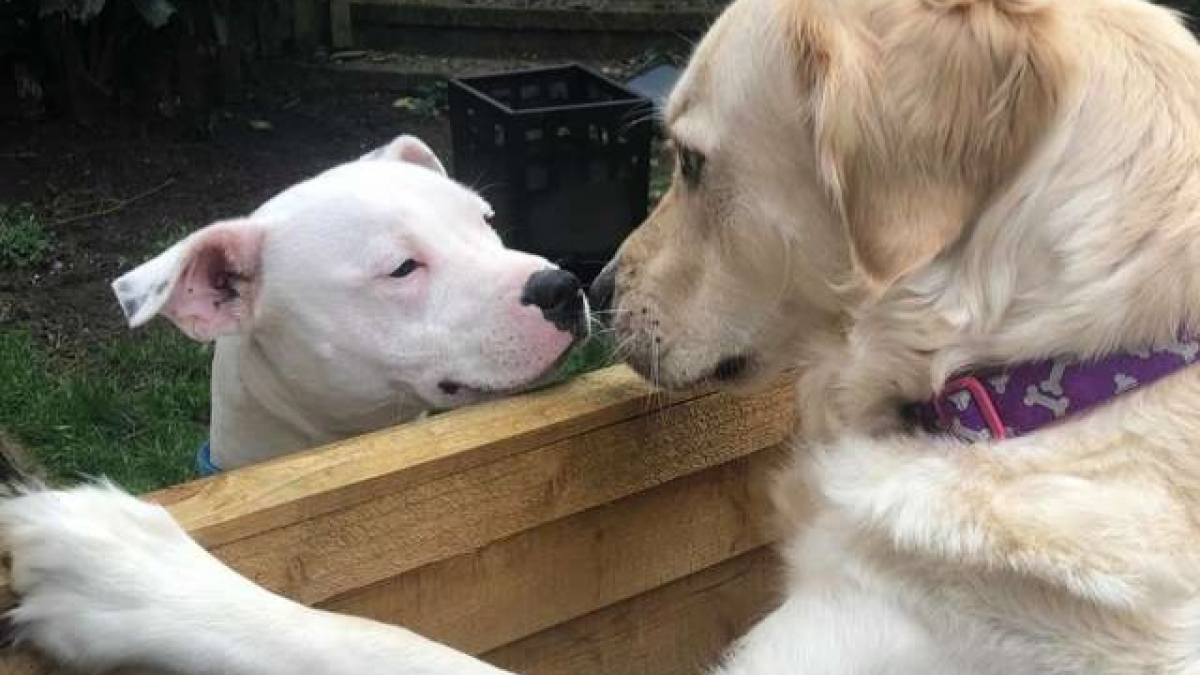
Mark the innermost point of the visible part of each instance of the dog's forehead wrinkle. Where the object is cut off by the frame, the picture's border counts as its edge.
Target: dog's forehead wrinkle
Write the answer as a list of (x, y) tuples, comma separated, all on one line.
[(723, 91), (378, 195), (695, 131), (381, 184)]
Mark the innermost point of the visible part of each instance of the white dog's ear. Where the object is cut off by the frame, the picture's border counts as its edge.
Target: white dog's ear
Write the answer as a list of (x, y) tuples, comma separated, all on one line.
[(917, 130), (407, 149), (206, 284)]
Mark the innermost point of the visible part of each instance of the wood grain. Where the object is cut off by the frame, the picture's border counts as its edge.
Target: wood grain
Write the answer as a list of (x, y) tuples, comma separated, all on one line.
[(257, 498), (319, 558), (565, 569), (679, 629)]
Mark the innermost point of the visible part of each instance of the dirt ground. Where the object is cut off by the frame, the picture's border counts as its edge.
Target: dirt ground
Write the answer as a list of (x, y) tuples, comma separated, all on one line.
[(119, 192)]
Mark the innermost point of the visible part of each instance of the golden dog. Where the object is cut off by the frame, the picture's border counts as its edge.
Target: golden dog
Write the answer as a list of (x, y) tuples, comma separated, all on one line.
[(882, 194)]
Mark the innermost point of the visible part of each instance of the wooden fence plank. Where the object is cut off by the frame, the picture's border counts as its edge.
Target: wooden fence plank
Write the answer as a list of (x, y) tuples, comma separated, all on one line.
[(340, 27), (306, 25), (517, 587), (546, 576), (317, 559), (503, 521), (679, 629), (257, 498)]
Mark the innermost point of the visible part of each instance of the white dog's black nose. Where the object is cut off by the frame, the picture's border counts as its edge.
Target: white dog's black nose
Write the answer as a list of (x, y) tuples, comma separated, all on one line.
[(559, 295)]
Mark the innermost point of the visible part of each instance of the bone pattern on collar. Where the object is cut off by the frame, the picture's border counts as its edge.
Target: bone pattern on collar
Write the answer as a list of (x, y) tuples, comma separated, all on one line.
[(1003, 402)]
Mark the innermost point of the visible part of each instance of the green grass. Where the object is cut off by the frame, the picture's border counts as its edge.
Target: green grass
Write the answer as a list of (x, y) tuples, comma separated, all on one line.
[(595, 353), (129, 409), (24, 241)]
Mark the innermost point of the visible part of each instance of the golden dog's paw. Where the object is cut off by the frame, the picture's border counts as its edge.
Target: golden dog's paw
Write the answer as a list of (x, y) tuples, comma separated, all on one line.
[(103, 578)]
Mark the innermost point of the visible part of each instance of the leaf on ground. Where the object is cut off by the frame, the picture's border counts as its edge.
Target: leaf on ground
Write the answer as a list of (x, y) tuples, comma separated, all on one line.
[(405, 103)]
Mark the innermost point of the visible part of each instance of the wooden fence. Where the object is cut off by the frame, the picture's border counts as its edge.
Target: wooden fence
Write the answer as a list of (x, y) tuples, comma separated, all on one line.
[(600, 527)]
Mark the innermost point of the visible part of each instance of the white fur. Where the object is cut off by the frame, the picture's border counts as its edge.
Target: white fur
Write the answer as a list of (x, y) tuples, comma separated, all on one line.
[(109, 580), (327, 346)]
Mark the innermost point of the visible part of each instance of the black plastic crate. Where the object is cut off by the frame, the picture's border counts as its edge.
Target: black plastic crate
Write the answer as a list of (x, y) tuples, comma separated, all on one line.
[(562, 154)]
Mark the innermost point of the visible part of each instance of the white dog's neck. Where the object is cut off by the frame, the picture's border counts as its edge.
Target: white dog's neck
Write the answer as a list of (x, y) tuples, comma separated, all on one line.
[(262, 409), (1077, 257)]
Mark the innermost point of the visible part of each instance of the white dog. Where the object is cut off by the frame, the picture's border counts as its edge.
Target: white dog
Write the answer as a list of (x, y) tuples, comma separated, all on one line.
[(884, 194), (354, 301)]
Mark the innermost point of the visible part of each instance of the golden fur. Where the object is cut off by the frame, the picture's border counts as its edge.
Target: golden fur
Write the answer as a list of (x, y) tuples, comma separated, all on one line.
[(894, 190)]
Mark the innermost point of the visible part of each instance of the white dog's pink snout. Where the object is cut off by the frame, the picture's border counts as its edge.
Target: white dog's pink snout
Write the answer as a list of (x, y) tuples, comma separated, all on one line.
[(549, 314)]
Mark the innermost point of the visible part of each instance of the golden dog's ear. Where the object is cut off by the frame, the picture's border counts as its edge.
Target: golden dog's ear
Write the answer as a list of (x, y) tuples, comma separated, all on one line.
[(923, 110)]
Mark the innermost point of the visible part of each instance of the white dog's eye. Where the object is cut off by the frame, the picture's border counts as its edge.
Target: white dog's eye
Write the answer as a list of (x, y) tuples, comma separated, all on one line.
[(406, 268)]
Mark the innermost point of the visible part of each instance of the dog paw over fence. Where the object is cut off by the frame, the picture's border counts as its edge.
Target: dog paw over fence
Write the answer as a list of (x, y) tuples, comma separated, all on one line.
[(600, 527)]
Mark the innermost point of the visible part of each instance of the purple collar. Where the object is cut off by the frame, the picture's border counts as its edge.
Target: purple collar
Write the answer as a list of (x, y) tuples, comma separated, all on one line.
[(1003, 402)]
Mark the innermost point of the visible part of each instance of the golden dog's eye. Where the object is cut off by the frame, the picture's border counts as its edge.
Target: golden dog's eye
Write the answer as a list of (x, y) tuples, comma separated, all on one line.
[(406, 268), (691, 165)]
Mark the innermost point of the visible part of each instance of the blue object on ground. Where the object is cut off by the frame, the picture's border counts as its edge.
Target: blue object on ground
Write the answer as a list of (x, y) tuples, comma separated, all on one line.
[(204, 463), (655, 84)]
